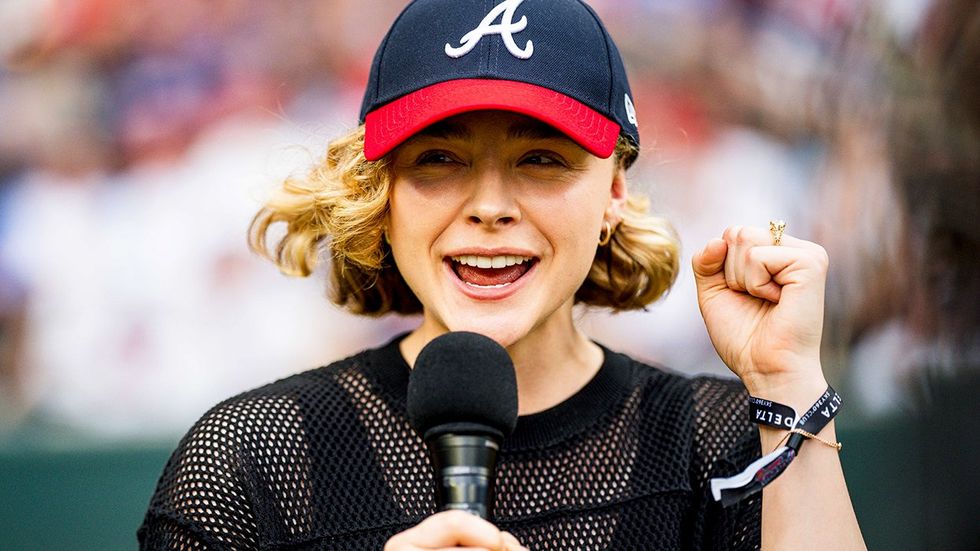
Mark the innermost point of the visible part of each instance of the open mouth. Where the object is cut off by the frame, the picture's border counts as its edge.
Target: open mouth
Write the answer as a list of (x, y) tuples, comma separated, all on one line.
[(491, 272)]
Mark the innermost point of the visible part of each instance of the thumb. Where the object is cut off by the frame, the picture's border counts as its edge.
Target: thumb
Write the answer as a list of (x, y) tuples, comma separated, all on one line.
[(710, 261)]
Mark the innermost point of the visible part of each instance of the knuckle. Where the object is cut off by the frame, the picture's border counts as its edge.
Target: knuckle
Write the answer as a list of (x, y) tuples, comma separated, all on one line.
[(818, 256), (450, 521), (822, 257), (455, 521), (751, 236), (730, 278), (741, 237), (731, 233)]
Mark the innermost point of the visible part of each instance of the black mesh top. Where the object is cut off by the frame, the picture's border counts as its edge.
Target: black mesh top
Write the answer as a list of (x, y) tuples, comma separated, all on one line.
[(326, 460)]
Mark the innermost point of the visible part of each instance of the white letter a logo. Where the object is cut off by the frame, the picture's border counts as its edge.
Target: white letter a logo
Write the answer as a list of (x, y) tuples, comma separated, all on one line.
[(506, 28)]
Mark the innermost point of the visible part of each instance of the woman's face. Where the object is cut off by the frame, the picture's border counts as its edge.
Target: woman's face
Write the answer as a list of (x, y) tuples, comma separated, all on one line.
[(494, 222)]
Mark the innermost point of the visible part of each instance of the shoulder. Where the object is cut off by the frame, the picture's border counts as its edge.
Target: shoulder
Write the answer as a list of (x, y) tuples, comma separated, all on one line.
[(253, 454), (705, 416), (699, 396), (689, 430)]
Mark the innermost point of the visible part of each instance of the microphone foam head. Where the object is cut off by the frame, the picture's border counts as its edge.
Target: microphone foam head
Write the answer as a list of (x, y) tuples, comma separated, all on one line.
[(463, 383)]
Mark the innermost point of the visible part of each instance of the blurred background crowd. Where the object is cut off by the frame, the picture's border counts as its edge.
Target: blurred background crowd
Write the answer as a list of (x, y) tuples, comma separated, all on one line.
[(138, 137)]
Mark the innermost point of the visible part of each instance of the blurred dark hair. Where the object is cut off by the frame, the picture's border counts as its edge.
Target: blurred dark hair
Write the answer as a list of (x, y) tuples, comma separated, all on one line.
[(935, 152)]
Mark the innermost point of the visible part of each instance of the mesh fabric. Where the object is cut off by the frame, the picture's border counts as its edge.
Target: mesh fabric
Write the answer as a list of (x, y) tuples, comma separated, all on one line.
[(326, 460)]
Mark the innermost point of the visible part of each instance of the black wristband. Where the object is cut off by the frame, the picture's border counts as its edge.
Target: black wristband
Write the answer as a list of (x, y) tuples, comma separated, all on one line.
[(772, 414), (781, 416), (821, 412), (761, 472)]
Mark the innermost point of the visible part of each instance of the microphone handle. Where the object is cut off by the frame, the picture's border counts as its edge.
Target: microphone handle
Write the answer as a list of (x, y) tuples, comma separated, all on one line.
[(464, 468)]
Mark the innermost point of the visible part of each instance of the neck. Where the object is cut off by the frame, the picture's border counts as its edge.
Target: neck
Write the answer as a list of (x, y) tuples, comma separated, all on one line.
[(552, 362)]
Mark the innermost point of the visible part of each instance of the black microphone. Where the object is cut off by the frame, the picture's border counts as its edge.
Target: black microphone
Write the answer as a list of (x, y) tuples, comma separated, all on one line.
[(462, 399)]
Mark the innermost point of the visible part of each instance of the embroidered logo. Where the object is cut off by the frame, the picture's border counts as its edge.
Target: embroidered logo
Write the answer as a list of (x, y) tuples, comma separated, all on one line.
[(630, 110), (506, 29)]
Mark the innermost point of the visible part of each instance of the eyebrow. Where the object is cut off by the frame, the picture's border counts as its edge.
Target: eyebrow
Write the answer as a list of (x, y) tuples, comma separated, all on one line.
[(526, 129), (534, 130), (446, 130)]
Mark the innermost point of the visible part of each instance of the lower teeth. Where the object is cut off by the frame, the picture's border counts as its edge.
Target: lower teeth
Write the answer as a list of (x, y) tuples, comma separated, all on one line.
[(499, 285)]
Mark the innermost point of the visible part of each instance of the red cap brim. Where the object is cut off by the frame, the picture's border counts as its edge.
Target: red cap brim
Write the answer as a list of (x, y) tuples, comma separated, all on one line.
[(393, 123)]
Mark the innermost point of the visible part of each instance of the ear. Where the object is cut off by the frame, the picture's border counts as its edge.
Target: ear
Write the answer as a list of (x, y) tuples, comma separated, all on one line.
[(386, 219), (618, 194), (385, 224)]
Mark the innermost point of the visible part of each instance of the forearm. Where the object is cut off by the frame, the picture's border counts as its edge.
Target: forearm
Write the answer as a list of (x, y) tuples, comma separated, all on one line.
[(808, 506), (762, 296)]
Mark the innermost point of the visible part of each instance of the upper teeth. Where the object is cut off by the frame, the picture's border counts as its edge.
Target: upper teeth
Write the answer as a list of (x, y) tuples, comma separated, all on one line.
[(501, 261)]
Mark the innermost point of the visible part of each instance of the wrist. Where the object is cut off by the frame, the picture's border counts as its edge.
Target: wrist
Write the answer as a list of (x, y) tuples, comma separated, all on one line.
[(795, 390)]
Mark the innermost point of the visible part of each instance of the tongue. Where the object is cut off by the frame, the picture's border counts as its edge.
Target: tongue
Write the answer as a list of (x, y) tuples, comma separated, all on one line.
[(491, 276)]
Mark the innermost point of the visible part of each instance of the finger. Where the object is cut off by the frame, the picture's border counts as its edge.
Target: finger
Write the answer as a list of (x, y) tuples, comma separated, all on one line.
[(709, 277), (754, 236), (788, 268), (449, 529), (742, 240), (731, 237), (747, 239), (758, 277), (711, 259), (511, 543)]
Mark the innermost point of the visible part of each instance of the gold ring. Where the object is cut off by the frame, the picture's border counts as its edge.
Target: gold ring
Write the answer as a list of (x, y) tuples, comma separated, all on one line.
[(776, 230)]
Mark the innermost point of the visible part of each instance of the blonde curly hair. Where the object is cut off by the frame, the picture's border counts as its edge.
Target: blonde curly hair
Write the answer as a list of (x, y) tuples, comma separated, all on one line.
[(340, 209)]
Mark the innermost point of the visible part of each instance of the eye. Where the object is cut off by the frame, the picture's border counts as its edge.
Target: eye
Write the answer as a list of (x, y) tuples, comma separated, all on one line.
[(542, 159), (435, 158)]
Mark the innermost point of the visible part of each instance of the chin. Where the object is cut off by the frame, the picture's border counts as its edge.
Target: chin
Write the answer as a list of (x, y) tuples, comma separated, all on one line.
[(505, 332)]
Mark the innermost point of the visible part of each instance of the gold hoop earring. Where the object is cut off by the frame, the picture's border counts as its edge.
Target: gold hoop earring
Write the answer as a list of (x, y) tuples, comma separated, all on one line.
[(605, 235)]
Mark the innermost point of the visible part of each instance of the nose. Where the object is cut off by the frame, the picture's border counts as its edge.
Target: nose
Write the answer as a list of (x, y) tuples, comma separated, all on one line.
[(492, 202)]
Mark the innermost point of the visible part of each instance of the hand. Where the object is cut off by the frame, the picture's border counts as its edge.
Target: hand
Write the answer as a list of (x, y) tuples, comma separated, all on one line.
[(452, 529), (763, 307)]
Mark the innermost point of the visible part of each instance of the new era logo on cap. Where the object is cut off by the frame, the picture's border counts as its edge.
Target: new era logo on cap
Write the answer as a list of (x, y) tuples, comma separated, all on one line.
[(549, 59)]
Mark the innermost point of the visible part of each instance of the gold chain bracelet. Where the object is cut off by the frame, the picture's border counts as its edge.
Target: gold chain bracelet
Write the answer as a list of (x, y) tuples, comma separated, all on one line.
[(836, 445)]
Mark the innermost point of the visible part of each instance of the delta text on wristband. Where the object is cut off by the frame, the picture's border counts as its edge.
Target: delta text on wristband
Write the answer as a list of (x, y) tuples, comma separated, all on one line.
[(772, 414), (764, 470)]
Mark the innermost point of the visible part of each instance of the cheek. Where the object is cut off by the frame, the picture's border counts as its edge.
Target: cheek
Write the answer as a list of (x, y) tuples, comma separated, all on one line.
[(583, 243), (572, 227), (582, 225), (410, 253), (416, 221), (582, 213), (412, 215)]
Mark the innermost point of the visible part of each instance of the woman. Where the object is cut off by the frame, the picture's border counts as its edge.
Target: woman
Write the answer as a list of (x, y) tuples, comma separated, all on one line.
[(487, 191)]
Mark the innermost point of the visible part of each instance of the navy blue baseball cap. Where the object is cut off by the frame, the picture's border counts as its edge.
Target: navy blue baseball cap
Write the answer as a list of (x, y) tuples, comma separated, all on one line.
[(549, 59)]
